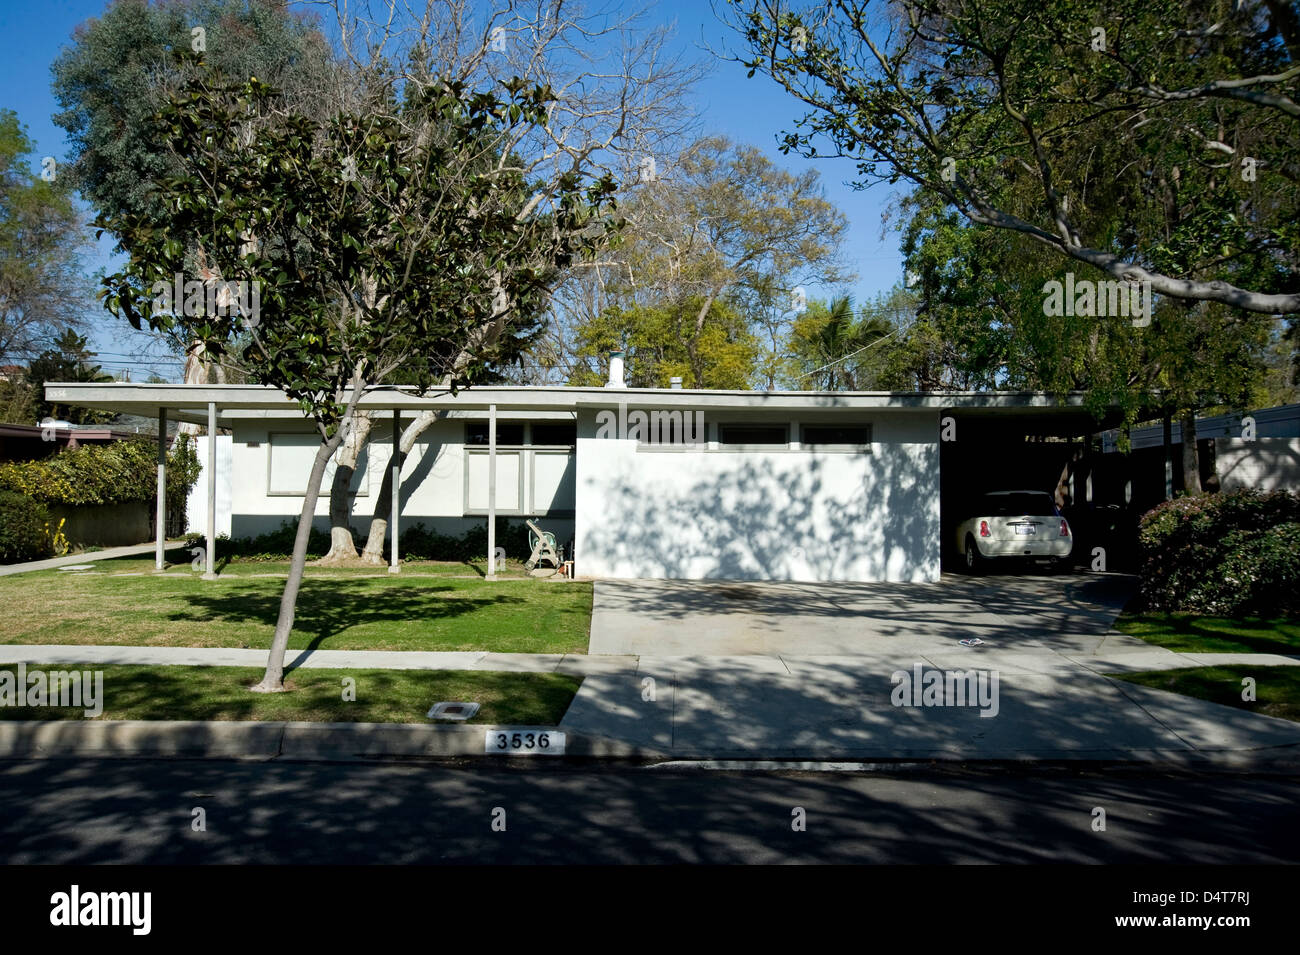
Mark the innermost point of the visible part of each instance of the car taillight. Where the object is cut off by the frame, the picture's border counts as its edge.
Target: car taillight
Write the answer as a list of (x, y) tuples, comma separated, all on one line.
[(1065, 528), (984, 529)]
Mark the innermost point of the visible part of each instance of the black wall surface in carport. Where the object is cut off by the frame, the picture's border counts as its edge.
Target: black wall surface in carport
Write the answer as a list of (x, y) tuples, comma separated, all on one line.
[(1008, 454)]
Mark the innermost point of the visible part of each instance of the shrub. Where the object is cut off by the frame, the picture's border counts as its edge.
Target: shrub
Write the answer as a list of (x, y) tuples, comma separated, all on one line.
[(1230, 554), (24, 529), (114, 473), (416, 543)]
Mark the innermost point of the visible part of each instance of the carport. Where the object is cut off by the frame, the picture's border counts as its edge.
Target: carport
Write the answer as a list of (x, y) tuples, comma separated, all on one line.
[(1053, 449)]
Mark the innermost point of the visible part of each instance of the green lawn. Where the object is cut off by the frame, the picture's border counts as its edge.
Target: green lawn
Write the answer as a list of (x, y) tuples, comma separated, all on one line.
[(382, 696), (124, 602), (1190, 633), (1277, 689)]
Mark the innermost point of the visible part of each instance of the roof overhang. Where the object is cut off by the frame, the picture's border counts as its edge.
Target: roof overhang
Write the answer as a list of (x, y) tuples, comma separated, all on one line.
[(190, 402)]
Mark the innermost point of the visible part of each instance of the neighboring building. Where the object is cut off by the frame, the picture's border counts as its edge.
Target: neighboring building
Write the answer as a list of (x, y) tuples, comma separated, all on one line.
[(27, 442), (1259, 449)]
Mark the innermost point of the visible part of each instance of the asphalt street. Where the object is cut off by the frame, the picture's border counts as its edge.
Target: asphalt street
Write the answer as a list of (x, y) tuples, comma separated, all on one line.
[(66, 811)]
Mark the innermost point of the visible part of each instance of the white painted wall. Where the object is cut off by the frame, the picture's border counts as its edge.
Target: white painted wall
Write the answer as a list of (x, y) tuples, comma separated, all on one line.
[(1269, 464), (773, 514), (196, 505)]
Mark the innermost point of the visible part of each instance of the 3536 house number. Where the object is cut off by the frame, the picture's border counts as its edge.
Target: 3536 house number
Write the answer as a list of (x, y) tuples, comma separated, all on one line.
[(523, 741)]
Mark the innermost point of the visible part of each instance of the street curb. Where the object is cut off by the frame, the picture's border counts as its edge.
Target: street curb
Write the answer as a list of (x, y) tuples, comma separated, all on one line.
[(228, 739)]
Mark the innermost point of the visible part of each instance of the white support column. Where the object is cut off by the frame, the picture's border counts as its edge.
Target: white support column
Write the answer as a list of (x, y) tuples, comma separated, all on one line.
[(160, 514), (210, 558), (396, 496), (492, 493)]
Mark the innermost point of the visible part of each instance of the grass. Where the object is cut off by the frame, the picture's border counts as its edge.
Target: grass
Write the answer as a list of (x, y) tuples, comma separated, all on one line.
[(382, 696), (1191, 633), (123, 602), (1277, 689)]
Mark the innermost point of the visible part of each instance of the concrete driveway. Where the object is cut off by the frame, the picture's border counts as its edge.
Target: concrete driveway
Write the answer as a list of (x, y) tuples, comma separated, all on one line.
[(1067, 613), (807, 671)]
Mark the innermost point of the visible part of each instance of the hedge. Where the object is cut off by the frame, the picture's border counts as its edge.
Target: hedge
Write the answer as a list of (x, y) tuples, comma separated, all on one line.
[(1231, 554), (114, 473), (24, 529), (414, 543)]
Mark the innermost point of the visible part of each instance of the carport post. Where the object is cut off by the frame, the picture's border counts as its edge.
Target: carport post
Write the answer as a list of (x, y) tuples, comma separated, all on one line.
[(492, 493), (209, 571), (160, 512), (1167, 425), (396, 496)]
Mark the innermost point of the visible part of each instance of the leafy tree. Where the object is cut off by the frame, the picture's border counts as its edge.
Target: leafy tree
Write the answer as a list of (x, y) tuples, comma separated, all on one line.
[(720, 233), (68, 360), (42, 289), (1148, 140), (666, 340), (410, 251), (121, 70), (831, 349)]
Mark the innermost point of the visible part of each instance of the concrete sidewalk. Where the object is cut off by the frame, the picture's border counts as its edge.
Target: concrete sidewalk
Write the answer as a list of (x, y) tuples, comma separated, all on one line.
[(133, 550), (56, 654)]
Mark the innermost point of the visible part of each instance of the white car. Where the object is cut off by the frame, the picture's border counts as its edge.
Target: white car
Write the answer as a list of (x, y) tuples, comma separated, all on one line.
[(1023, 524)]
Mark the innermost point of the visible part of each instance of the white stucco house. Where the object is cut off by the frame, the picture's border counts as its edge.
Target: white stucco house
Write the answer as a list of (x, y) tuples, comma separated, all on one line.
[(648, 483)]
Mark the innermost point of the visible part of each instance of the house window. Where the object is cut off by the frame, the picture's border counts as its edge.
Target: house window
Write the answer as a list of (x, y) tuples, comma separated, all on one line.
[(508, 435), (534, 476), (819, 435), (289, 461), (775, 434), (555, 435)]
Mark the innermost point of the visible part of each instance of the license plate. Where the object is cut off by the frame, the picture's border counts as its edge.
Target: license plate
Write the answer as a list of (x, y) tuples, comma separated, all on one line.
[(1024, 528), (523, 741)]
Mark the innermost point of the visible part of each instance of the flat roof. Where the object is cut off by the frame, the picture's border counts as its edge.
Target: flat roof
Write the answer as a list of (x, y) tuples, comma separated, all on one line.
[(190, 402)]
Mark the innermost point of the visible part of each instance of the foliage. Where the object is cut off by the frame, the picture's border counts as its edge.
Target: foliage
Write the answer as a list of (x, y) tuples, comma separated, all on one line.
[(24, 528), (372, 237), (68, 360), (662, 342), (119, 71), (42, 288), (1143, 140), (702, 286), (115, 473), (415, 543), (831, 349), (1229, 554)]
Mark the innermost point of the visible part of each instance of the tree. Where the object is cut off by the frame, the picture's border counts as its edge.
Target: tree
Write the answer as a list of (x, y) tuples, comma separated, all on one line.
[(42, 289), (1149, 140), (620, 97), (720, 236), (68, 360), (982, 324), (120, 70), (374, 240), (832, 350)]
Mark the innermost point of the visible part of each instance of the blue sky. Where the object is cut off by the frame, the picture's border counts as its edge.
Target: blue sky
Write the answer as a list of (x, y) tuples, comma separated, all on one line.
[(749, 110)]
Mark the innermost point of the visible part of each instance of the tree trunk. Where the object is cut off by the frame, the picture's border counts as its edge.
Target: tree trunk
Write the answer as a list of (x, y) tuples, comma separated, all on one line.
[(374, 549), (273, 679), (342, 546), (1191, 461)]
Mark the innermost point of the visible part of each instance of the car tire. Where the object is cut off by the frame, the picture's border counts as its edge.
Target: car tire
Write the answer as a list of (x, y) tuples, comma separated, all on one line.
[(972, 560)]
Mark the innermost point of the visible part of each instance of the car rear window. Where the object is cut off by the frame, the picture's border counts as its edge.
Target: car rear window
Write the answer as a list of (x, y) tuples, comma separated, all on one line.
[(1010, 505)]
